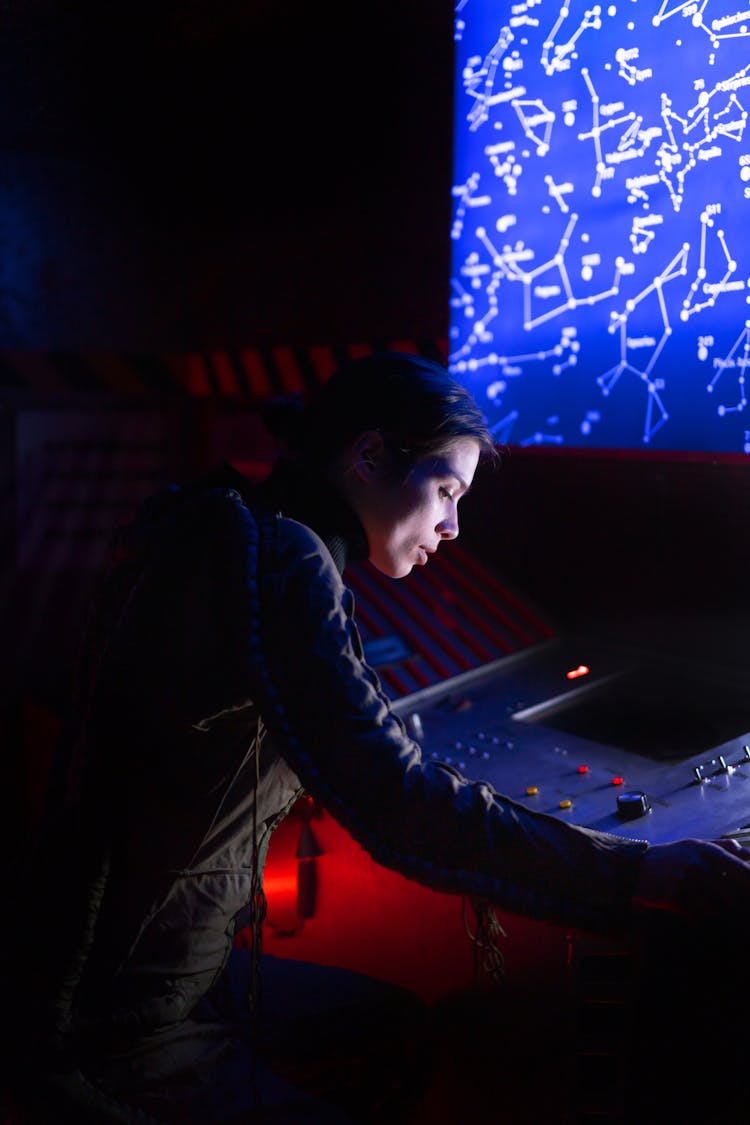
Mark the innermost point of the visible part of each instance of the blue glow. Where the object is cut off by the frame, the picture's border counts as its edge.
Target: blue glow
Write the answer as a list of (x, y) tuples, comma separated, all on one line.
[(600, 289)]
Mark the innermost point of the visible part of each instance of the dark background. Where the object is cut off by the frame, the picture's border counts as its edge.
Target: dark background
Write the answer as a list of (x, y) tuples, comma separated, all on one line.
[(196, 174)]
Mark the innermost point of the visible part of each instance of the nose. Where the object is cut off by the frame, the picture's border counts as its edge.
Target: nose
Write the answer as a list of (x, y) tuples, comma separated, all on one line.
[(448, 528)]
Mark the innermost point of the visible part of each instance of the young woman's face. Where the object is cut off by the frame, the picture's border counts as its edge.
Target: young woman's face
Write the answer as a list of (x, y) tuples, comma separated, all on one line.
[(405, 521)]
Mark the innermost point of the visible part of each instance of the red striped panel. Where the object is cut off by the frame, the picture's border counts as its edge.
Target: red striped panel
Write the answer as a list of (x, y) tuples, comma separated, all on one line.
[(226, 377), (371, 628), (396, 682), (405, 346), (409, 676), (217, 374), (191, 373), (388, 607), (474, 625), (403, 595), (357, 350), (257, 376), (288, 368), (487, 604), (503, 595), (367, 622), (418, 674), (323, 362), (453, 614)]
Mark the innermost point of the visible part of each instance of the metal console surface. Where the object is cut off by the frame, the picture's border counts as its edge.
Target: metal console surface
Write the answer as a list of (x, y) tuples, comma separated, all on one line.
[(615, 739)]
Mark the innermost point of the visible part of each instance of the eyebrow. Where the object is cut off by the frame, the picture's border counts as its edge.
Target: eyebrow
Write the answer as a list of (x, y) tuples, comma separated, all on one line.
[(444, 469), (463, 486)]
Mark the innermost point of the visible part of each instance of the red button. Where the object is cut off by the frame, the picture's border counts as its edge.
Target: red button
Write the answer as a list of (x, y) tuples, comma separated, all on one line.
[(618, 780), (583, 769)]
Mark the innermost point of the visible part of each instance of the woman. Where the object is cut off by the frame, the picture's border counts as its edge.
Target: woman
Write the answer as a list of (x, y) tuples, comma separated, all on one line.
[(224, 676)]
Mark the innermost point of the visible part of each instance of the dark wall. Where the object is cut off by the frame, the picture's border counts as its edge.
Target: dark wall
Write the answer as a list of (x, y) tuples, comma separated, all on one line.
[(650, 551), (190, 175)]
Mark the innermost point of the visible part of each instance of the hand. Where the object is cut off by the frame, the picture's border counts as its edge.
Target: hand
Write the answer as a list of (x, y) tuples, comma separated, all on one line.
[(695, 878)]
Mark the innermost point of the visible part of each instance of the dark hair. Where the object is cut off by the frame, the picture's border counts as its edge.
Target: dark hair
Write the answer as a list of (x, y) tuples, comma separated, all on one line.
[(414, 402)]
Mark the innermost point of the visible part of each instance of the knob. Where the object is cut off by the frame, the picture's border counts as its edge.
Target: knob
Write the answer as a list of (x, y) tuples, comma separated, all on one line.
[(632, 805)]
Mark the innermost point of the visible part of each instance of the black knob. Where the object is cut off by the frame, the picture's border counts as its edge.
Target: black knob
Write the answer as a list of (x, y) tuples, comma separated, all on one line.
[(632, 805)]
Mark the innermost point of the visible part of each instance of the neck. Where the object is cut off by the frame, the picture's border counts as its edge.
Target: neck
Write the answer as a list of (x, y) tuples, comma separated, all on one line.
[(316, 500)]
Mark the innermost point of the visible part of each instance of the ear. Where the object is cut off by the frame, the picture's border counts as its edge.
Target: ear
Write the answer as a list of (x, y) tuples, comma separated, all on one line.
[(367, 455)]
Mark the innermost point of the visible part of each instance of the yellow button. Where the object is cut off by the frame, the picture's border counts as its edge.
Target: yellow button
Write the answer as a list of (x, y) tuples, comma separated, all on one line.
[(531, 791), (566, 804)]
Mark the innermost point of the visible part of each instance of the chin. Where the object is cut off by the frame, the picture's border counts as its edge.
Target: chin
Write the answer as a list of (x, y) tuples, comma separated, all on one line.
[(392, 569)]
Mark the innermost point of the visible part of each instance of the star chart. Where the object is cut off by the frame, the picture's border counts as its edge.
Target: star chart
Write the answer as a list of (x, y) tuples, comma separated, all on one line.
[(600, 288)]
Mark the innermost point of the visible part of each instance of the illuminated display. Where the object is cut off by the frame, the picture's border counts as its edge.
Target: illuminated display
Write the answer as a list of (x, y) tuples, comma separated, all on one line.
[(600, 288)]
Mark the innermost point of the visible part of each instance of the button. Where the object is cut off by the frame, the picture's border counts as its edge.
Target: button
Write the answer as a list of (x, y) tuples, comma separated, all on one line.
[(583, 769), (531, 790), (618, 780), (566, 804)]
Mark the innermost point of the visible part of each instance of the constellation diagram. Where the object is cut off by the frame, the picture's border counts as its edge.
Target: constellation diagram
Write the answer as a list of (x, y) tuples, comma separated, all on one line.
[(738, 362), (600, 288)]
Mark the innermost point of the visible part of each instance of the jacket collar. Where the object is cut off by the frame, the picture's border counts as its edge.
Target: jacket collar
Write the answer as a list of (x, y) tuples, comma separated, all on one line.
[(308, 498)]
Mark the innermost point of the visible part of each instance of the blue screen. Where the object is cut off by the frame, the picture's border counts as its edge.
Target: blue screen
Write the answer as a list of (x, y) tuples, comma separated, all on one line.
[(600, 277)]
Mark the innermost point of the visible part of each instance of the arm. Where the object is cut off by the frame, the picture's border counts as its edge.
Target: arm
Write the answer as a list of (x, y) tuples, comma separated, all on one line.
[(422, 818)]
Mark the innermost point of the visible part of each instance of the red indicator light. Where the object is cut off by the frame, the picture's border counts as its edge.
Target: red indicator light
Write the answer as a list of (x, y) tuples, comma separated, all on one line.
[(583, 769), (574, 673), (618, 780)]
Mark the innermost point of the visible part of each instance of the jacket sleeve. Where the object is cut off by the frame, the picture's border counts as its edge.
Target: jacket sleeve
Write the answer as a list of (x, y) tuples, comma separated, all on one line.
[(422, 818)]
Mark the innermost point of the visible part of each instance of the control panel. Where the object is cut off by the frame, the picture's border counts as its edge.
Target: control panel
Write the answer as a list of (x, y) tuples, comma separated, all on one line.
[(645, 748)]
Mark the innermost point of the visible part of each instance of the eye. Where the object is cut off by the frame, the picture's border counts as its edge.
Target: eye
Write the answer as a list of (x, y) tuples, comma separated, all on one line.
[(445, 493)]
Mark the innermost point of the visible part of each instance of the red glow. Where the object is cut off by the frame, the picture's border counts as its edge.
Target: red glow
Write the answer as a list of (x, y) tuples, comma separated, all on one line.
[(280, 884), (373, 920), (574, 673)]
